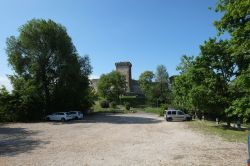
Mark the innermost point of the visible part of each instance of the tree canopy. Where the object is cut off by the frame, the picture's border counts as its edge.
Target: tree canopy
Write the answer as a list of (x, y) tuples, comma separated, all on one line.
[(217, 80), (111, 86), (49, 75)]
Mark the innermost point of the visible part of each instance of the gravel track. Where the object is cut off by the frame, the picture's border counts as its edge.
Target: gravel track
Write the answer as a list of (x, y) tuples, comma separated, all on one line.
[(138, 139)]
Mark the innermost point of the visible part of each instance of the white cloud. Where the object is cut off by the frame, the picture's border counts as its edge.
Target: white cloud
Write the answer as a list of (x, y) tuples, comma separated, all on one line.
[(94, 77), (6, 82)]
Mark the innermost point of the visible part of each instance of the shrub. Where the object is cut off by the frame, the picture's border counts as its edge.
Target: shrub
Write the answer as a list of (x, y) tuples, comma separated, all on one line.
[(104, 104), (113, 104), (161, 112), (164, 106), (127, 106), (133, 100), (162, 109)]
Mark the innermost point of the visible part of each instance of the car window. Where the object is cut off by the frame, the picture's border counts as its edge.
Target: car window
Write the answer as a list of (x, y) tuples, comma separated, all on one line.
[(169, 112), (60, 113), (180, 113), (173, 112)]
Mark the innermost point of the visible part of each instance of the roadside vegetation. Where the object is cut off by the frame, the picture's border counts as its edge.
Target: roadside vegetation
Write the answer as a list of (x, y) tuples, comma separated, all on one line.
[(48, 73), (50, 76), (231, 134)]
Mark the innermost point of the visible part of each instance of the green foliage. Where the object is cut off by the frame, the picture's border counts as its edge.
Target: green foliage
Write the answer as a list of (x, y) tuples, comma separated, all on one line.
[(133, 100), (186, 63), (111, 86), (240, 106), (162, 85), (146, 83), (159, 91), (113, 104), (164, 106), (221, 130), (6, 107), (205, 85), (127, 106), (104, 104), (217, 81), (49, 75)]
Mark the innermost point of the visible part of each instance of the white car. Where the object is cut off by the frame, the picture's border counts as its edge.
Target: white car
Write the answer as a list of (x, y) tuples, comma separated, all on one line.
[(76, 114), (59, 116), (176, 115)]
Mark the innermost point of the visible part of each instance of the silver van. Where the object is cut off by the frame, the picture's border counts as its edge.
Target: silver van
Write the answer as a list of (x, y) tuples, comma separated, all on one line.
[(176, 115)]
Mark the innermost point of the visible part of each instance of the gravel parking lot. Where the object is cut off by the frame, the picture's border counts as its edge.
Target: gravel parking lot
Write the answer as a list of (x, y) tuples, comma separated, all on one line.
[(114, 139)]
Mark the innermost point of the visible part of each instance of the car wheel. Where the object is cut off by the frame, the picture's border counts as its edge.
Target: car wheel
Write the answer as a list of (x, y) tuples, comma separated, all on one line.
[(48, 119), (63, 119), (76, 118)]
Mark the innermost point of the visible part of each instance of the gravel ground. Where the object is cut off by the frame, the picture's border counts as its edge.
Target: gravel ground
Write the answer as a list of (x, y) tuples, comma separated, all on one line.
[(114, 139)]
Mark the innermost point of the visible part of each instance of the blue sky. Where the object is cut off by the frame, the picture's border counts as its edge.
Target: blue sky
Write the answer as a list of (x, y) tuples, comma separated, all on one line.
[(145, 32)]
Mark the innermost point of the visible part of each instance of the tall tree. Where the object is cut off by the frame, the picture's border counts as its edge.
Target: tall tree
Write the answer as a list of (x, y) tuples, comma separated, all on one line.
[(236, 21), (47, 67), (111, 86), (146, 83), (162, 79)]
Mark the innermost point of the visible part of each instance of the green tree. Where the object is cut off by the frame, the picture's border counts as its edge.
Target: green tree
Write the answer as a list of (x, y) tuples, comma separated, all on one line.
[(186, 63), (47, 68), (111, 86), (236, 22), (162, 81), (240, 107), (217, 81), (146, 84)]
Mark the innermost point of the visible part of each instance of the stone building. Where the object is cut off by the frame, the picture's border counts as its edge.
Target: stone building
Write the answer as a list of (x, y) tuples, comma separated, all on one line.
[(125, 68)]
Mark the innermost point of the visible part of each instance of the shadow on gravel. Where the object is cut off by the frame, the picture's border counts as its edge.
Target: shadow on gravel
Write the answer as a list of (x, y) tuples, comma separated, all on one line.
[(114, 118), (14, 141)]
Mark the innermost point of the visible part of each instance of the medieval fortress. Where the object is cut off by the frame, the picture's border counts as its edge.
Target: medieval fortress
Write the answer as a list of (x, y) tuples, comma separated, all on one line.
[(125, 68)]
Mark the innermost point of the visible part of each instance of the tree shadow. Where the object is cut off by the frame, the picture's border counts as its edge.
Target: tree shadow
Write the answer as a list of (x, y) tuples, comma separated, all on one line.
[(114, 118), (225, 127), (14, 141)]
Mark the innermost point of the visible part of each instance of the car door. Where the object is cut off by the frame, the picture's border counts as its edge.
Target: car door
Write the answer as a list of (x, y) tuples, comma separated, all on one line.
[(61, 115), (173, 115), (53, 116), (180, 115)]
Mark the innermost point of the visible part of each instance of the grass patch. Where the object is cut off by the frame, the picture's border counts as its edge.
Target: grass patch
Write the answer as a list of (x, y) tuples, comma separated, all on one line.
[(154, 110), (230, 134)]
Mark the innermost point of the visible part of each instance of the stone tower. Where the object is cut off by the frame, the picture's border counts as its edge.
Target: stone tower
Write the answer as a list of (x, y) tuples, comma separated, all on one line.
[(125, 69)]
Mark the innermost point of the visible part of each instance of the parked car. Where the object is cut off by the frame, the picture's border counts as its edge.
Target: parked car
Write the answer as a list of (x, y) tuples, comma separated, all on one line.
[(176, 115), (59, 116), (76, 114)]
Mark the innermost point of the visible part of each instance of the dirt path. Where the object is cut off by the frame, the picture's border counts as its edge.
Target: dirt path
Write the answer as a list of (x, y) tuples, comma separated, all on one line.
[(108, 139)]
